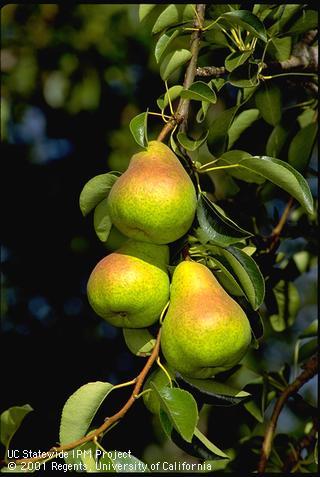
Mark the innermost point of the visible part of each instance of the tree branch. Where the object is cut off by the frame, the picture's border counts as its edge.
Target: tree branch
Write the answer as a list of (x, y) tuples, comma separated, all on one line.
[(275, 235), (182, 111), (310, 370), (304, 56), (110, 420)]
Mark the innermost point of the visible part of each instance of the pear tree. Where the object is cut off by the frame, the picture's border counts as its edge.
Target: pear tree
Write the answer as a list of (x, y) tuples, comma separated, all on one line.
[(196, 282)]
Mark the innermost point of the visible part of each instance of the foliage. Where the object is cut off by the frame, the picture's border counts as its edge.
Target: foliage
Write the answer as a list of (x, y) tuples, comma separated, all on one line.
[(244, 187)]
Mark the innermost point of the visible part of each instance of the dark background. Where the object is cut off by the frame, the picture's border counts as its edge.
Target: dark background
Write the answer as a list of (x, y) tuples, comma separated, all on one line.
[(73, 77)]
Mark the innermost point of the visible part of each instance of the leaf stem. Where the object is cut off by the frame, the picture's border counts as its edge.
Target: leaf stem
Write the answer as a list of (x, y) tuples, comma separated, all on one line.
[(218, 168), (165, 371)]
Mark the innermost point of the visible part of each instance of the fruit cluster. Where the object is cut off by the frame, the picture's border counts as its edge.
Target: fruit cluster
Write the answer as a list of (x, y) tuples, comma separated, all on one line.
[(154, 203)]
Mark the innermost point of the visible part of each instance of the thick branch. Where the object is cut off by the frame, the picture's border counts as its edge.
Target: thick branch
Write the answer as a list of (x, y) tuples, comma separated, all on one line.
[(111, 420), (182, 112), (310, 370)]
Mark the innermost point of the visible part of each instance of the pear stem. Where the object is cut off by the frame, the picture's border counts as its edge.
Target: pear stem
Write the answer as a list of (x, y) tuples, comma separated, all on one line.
[(182, 111), (109, 421), (165, 371)]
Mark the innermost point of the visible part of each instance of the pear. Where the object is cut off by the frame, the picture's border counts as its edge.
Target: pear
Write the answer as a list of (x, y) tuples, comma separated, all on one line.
[(154, 200), (130, 287), (205, 331)]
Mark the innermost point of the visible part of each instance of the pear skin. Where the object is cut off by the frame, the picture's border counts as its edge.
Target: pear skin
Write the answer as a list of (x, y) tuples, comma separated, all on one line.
[(154, 200), (130, 287), (205, 331)]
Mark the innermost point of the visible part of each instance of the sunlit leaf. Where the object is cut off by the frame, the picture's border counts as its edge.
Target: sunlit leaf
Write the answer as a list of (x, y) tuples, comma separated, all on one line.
[(138, 128), (139, 341), (199, 91), (164, 41), (145, 9), (172, 15), (248, 21), (95, 190), (173, 61), (181, 408), (11, 420), (80, 409), (191, 144), (102, 221)]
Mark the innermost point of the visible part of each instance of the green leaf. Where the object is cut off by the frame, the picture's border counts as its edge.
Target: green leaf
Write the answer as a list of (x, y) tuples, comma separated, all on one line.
[(268, 101), (138, 128), (280, 48), (172, 93), (306, 117), (308, 349), (101, 220), (307, 21), (164, 41), (276, 140), (235, 59), (213, 392), (288, 302), (249, 275), (209, 445), (200, 91), (165, 422), (11, 420), (235, 157), (224, 276), (191, 144), (254, 410), (240, 124), (218, 133), (172, 61), (172, 15), (181, 409), (95, 190), (244, 269), (145, 9), (80, 409), (287, 12), (139, 341), (201, 114), (310, 331), (244, 76), (219, 228), (248, 21), (301, 147), (283, 175)]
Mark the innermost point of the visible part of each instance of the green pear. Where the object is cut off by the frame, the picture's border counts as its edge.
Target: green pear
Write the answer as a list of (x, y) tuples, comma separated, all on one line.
[(130, 287), (205, 331), (154, 200)]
